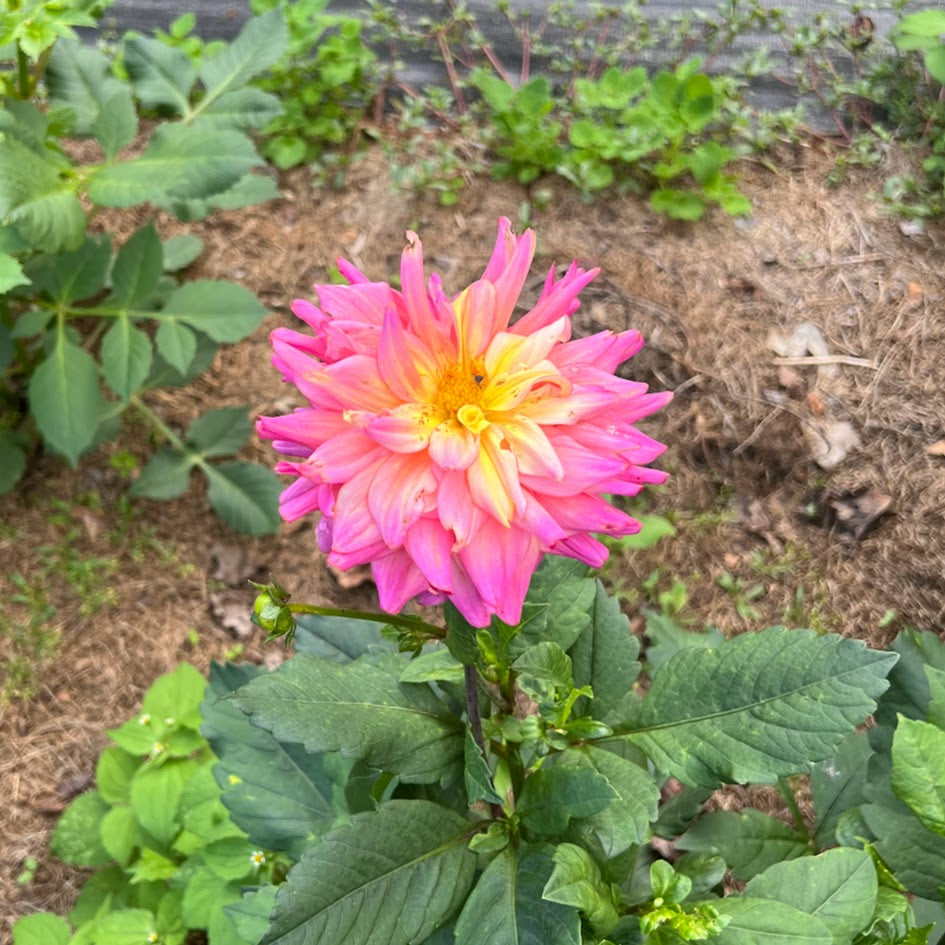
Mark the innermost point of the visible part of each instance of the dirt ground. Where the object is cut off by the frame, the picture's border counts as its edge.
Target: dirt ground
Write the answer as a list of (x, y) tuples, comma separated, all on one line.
[(132, 591)]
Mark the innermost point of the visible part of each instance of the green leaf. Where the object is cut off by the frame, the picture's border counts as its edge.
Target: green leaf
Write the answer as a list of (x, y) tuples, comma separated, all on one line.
[(250, 915), (75, 838), (175, 697), (78, 76), (626, 820), (162, 75), (177, 345), (341, 639), (838, 887), (918, 771), (31, 323), (116, 124), (653, 529), (229, 857), (757, 707), (748, 840), (126, 357), (73, 276), (248, 191), (677, 204), (436, 665), (65, 399), (41, 929), (577, 881), (241, 109), (261, 42), (223, 311), (277, 792), (180, 251), (553, 796), (34, 196), (667, 638), (220, 432), (180, 162), (766, 922), (12, 460), (110, 883), (126, 927), (205, 895), (245, 496), (155, 797), (476, 774), (506, 905), (137, 269), (360, 708), (113, 774), (936, 681), (543, 669), (837, 785), (119, 834), (165, 476), (11, 273), (389, 877), (605, 654)]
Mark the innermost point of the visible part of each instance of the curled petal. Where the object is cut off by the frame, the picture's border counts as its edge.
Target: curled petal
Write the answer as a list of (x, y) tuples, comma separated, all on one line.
[(606, 351), (430, 546), (402, 491), (475, 312), (583, 547), (493, 479), (397, 579), (558, 299), (509, 283), (416, 301), (456, 510), (453, 446), (308, 426), (405, 429)]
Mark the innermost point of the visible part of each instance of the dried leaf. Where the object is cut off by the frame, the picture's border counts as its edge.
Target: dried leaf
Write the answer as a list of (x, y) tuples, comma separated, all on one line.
[(831, 442), (232, 609)]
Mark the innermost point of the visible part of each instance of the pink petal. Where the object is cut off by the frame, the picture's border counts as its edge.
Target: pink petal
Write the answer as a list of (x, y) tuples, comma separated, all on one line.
[(588, 513), (412, 287), (397, 579), (583, 548), (404, 362), (509, 283), (308, 426), (475, 309), (533, 450), (504, 249), (344, 456), (355, 383), (350, 272), (466, 599), (556, 301), (456, 509), (430, 546), (493, 479), (605, 350), (405, 429), (403, 489), (452, 446), (298, 500)]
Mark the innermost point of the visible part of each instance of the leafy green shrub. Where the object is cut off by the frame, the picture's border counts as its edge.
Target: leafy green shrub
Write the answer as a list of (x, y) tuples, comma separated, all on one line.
[(324, 81), (622, 129), (74, 308)]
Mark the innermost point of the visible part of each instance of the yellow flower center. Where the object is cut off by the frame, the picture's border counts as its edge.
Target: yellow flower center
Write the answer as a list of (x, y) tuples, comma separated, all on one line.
[(457, 390)]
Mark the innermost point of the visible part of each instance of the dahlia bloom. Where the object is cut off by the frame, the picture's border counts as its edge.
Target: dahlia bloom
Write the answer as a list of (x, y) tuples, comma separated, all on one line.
[(451, 448)]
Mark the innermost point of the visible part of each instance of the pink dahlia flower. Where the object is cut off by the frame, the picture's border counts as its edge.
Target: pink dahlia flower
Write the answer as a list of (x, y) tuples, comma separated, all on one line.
[(451, 448)]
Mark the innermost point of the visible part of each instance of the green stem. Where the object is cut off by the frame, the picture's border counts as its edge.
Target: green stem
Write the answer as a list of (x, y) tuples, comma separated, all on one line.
[(23, 74), (397, 620), (471, 678), (160, 425), (786, 792)]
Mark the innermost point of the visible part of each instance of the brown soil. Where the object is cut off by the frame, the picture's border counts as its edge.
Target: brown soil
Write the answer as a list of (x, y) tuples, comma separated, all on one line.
[(746, 496)]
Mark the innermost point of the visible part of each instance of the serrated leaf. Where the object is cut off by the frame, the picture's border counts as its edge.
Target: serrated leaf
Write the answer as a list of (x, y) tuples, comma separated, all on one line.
[(119, 834), (277, 792), (75, 838), (223, 311), (389, 877), (126, 357), (79, 77), (666, 638), (542, 669), (176, 344), (936, 709), (65, 399), (757, 707), (748, 840), (113, 774), (506, 908), (918, 771), (626, 820), (11, 273), (220, 432), (576, 881), (250, 915), (205, 895), (180, 251), (553, 796), (155, 797), (766, 922), (248, 191), (42, 204), (839, 887), (162, 75), (138, 266), (261, 42), (245, 496), (605, 654), (242, 110), (124, 927), (837, 785), (180, 162), (41, 929), (76, 275), (175, 697), (360, 708), (341, 639), (166, 475), (116, 125)]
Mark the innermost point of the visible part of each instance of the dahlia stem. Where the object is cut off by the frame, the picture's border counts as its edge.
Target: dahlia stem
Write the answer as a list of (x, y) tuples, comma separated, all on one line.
[(471, 678), (411, 623)]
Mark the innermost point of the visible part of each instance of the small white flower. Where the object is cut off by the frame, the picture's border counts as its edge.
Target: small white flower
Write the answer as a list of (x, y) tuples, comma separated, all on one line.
[(144, 718), (157, 748), (257, 858), (152, 938), (169, 721)]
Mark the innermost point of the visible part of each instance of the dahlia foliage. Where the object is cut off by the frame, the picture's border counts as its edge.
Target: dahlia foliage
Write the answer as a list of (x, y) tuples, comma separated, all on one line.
[(451, 448)]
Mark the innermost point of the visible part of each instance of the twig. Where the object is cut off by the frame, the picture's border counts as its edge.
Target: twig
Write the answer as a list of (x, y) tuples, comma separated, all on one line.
[(822, 359), (845, 261)]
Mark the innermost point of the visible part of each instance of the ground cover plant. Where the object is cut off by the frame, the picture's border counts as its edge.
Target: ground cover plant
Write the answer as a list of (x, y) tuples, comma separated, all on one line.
[(745, 453)]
